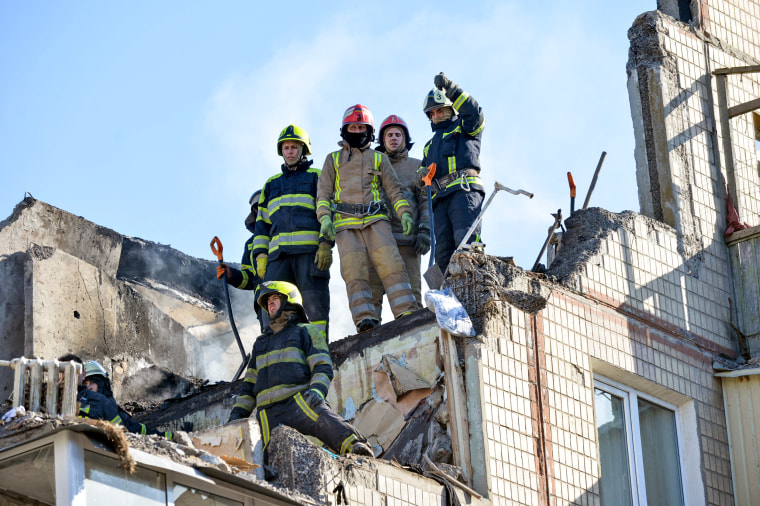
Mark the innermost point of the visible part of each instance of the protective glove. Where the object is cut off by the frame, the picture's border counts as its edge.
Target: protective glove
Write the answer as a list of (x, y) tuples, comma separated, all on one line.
[(261, 265), (422, 243), (327, 230), (323, 258), (313, 397), (222, 271), (407, 223), (442, 82)]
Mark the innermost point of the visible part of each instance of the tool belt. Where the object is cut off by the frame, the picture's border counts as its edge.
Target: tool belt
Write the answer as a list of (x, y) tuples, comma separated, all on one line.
[(361, 210), (442, 182)]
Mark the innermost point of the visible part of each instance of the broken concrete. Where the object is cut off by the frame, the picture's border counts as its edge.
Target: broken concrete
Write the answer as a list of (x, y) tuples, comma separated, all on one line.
[(70, 286)]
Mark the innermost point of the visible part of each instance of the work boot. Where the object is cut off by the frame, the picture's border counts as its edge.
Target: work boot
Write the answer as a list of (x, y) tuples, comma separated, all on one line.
[(362, 449), (367, 324)]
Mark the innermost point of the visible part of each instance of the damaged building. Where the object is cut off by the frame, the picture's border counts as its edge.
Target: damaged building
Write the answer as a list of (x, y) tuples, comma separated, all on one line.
[(626, 373)]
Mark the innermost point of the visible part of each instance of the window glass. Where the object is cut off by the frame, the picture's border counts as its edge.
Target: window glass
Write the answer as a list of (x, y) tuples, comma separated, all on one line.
[(188, 496), (639, 457), (613, 449), (28, 478), (107, 483), (659, 450)]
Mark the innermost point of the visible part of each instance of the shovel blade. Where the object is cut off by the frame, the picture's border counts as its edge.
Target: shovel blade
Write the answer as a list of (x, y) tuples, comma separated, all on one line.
[(433, 277)]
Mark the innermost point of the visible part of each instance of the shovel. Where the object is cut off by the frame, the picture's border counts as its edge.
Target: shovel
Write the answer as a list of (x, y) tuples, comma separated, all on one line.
[(217, 248), (434, 276)]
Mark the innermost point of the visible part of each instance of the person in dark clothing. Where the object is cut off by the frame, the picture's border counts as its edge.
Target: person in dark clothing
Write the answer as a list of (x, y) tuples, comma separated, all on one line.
[(246, 278), (288, 245), (289, 375), (96, 401), (457, 122)]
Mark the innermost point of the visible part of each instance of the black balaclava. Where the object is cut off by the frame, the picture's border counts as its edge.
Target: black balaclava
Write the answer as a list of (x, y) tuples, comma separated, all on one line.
[(357, 139)]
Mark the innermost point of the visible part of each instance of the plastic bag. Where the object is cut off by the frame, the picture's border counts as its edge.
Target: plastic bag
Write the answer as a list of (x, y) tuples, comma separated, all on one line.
[(449, 312)]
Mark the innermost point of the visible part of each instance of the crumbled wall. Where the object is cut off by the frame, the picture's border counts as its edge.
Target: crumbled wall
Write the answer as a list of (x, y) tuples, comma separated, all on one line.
[(623, 304), (70, 286), (686, 160)]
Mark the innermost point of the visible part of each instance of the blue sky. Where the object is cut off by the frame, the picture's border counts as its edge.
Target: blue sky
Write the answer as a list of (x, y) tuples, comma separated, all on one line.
[(159, 119)]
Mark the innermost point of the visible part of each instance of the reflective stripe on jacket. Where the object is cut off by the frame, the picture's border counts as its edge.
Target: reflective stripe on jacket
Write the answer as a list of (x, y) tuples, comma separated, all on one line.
[(287, 221), (358, 176), (284, 363), (406, 170), (456, 144)]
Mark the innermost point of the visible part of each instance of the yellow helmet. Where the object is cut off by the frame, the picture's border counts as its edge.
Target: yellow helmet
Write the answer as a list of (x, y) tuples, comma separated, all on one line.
[(284, 288), (294, 133)]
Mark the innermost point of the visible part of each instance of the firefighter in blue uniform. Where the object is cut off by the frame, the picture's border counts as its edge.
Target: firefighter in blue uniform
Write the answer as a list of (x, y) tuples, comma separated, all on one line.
[(96, 401), (457, 122), (289, 375), (246, 278), (287, 245)]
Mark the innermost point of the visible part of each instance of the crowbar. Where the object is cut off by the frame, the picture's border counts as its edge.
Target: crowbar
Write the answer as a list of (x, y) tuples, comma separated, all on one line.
[(428, 180), (434, 276), (217, 249), (593, 180)]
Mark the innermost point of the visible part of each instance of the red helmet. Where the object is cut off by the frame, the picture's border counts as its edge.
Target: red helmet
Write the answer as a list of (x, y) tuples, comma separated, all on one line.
[(358, 114), (394, 120)]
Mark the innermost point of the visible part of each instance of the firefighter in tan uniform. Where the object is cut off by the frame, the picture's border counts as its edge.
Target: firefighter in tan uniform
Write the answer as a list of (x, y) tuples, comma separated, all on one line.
[(350, 187), (395, 141)]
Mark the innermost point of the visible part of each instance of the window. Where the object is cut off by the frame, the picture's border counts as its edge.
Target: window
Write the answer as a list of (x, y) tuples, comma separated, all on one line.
[(107, 483), (29, 478), (189, 496), (638, 448)]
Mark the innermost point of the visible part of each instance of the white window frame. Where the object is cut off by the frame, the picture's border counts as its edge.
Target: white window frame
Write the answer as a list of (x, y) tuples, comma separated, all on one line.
[(630, 398)]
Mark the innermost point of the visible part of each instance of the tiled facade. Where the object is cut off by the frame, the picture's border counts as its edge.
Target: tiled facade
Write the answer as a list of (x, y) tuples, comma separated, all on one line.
[(632, 314)]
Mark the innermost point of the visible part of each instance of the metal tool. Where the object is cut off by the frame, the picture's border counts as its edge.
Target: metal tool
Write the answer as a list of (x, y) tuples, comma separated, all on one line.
[(217, 249), (557, 222), (428, 180), (593, 180), (434, 276), (572, 192)]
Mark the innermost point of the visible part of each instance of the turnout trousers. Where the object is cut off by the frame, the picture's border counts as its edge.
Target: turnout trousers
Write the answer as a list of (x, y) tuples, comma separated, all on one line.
[(313, 284), (373, 245), (411, 266), (316, 420), (454, 214)]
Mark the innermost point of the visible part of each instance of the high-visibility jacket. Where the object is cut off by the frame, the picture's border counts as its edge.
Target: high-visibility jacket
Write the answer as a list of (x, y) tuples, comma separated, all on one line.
[(287, 222), (284, 363), (101, 407), (406, 170), (357, 177), (455, 145), (245, 278)]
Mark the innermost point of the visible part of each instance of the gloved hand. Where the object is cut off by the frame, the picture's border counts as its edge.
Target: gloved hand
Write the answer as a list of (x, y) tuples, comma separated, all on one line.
[(323, 258), (442, 82), (313, 397), (407, 223), (327, 230), (261, 265), (422, 244), (222, 271)]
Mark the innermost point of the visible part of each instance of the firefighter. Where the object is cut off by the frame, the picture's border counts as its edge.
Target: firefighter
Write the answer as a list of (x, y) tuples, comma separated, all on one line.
[(350, 186), (246, 278), (457, 122), (96, 401), (288, 245), (289, 375), (395, 141)]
